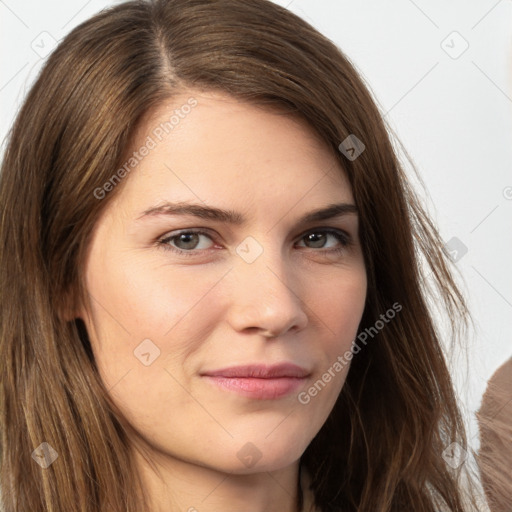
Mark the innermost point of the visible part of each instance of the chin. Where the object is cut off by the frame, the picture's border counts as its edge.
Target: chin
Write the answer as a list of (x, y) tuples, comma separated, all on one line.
[(263, 455), (264, 465)]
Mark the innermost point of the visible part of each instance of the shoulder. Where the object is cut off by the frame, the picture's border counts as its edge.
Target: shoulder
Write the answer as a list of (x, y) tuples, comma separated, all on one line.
[(495, 425), (499, 388)]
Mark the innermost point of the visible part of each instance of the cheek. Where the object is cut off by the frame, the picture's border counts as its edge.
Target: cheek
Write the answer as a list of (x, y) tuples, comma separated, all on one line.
[(339, 305), (145, 297), (134, 300), (148, 319)]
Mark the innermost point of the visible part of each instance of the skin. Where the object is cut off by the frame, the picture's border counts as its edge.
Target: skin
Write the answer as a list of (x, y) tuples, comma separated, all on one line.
[(295, 302)]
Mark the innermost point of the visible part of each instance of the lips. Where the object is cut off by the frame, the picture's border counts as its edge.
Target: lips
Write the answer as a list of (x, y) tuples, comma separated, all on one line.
[(261, 371), (260, 382)]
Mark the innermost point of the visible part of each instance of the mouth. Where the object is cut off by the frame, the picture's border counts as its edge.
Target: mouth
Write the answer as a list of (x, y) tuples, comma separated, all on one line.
[(259, 382)]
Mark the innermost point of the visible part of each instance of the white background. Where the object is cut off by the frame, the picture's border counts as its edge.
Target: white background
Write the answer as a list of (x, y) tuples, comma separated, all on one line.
[(452, 112)]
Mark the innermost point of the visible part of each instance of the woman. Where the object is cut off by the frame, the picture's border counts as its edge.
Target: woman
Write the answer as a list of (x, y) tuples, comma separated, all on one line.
[(211, 295)]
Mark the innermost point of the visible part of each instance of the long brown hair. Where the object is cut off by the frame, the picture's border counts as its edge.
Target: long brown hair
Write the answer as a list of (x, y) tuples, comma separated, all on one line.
[(381, 448)]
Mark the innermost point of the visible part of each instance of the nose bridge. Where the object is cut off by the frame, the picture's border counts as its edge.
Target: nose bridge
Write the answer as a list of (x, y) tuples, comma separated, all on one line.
[(263, 295), (260, 258)]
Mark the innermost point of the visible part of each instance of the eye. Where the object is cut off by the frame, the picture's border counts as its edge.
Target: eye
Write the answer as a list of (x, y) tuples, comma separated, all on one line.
[(187, 243), (318, 238), (186, 240)]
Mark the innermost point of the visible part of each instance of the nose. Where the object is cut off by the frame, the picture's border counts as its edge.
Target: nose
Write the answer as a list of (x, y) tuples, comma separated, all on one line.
[(266, 297)]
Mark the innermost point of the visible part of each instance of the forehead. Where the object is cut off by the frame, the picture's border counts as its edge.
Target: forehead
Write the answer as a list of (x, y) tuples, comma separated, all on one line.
[(209, 146)]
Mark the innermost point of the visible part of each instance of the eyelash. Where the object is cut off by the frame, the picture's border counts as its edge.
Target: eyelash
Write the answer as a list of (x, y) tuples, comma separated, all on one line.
[(342, 237)]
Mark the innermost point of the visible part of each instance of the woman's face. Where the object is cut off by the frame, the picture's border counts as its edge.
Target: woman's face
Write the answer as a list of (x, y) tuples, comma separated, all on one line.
[(254, 286)]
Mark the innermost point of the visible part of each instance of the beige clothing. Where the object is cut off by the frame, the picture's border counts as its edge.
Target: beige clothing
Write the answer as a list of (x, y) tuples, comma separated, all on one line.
[(495, 454)]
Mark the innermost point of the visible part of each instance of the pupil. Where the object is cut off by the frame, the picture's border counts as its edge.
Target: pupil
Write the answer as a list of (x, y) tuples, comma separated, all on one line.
[(186, 237), (318, 237)]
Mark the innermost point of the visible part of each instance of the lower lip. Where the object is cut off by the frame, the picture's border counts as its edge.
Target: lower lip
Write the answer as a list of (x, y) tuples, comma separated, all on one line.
[(257, 388)]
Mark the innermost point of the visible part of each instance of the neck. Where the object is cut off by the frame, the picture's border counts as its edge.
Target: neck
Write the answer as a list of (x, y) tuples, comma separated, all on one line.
[(176, 485)]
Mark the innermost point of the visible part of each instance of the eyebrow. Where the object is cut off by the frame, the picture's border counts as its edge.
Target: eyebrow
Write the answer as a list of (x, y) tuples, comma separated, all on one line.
[(236, 218)]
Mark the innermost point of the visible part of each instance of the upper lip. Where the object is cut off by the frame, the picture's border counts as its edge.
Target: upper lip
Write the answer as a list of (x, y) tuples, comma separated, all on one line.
[(260, 371)]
